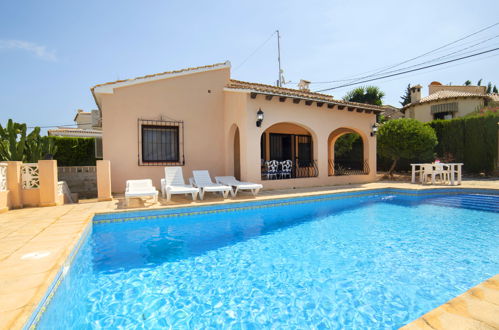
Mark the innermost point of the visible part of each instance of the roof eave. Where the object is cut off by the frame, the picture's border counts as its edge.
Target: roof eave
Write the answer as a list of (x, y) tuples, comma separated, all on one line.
[(108, 88), (315, 99)]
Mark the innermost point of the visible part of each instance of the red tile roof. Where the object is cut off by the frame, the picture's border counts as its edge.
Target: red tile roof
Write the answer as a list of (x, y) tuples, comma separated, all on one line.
[(446, 95), (290, 92)]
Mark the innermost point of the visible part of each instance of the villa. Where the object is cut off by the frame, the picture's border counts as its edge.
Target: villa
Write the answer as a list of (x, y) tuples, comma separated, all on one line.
[(200, 118)]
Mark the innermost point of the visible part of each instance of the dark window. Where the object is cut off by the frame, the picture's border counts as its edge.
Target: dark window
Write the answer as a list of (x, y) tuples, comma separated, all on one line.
[(304, 150), (443, 115), (160, 144), (263, 146), (292, 147), (281, 147)]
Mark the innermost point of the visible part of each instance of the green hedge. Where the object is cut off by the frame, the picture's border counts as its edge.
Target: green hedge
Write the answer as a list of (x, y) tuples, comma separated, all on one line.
[(73, 151), (469, 140)]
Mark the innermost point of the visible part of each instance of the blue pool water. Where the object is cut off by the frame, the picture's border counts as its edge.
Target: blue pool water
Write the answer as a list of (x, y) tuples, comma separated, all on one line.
[(376, 261)]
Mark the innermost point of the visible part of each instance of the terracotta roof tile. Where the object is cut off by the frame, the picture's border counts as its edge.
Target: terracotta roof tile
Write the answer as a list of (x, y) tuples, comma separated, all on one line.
[(444, 95), (269, 89)]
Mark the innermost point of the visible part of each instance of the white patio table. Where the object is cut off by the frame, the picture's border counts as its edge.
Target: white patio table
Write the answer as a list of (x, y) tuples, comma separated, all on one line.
[(455, 172)]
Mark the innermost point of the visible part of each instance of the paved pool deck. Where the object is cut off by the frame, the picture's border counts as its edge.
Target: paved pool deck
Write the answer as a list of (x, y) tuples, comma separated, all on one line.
[(36, 243)]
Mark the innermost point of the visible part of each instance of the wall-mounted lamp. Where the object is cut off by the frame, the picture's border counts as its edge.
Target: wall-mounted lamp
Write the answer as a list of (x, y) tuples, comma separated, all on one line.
[(374, 129), (259, 118)]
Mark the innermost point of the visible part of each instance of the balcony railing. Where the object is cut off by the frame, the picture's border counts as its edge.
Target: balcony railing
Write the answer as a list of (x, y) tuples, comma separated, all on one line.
[(348, 168), (299, 169)]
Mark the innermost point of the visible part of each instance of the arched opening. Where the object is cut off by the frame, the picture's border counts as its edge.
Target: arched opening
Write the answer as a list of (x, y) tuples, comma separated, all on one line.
[(237, 155), (286, 152), (347, 153)]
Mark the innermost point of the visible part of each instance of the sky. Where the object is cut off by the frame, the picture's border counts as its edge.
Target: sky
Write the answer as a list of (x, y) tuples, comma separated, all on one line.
[(53, 52)]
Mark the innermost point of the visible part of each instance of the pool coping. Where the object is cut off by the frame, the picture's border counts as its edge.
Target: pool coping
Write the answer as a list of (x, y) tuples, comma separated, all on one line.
[(37, 313)]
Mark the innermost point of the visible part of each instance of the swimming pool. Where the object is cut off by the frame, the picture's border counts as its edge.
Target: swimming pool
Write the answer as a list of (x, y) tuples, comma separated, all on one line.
[(375, 259)]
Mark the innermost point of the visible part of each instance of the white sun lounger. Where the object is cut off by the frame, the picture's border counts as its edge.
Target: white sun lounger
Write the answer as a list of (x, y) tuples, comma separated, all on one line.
[(139, 189), (173, 183), (238, 185), (202, 180)]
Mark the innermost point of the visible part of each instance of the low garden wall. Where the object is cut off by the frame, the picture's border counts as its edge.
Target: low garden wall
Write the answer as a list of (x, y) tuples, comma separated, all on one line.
[(80, 179)]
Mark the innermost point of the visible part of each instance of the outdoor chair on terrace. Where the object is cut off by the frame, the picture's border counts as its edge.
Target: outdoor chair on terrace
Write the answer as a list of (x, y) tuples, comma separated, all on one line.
[(202, 180), (434, 170), (286, 169), (238, 185), (173, 183), (139, 189), (271, 169)]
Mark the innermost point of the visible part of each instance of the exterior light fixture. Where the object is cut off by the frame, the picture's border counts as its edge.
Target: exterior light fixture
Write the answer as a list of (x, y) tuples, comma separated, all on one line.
[(259, 118), (374, 129)]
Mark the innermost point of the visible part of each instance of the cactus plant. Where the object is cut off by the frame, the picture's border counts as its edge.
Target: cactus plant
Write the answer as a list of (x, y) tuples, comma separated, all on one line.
[(10, 147), (16, 145)]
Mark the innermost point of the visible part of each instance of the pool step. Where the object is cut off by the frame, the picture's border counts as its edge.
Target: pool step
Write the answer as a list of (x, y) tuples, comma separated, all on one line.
[(475, 202)]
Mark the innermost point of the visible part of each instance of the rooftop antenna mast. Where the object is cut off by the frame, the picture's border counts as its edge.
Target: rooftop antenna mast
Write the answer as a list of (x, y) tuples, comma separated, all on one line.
[(280, 81)]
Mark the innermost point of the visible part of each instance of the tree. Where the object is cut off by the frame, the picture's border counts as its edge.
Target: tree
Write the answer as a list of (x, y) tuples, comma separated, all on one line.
[(366, 94), (479, 83), (467, 83), (406, 98), (405, 138), (494, 90), (345, 143), (489, 88)]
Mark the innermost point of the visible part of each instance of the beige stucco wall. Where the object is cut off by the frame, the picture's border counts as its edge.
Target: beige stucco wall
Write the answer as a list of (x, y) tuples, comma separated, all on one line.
[(320, 122), (31, 197), (422, 112), (4, 201), (197, 99)]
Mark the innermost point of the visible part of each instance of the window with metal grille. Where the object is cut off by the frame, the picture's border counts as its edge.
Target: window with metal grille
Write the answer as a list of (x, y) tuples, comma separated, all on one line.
[(160, 143)]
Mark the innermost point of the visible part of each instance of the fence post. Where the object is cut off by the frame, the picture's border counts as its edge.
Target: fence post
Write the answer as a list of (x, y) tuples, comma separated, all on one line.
[(4, 189), (104, 180), (48, 182), (14, 184)]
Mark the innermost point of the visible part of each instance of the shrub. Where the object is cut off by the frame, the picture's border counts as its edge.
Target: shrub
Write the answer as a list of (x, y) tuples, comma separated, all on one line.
[(74, 151), (406, 138), (469, 140)]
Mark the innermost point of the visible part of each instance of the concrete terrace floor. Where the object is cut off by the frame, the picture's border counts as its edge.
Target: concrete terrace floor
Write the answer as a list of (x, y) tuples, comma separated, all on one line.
[(35, 244)]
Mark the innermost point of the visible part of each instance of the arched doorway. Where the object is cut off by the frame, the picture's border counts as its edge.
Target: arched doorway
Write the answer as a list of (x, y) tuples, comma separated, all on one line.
[(347, 153), (286, 152)]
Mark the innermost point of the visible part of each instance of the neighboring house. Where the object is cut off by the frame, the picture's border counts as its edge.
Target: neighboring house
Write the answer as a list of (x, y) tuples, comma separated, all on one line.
[(391, 112), (88, 125), (446, 101), (200, 118)]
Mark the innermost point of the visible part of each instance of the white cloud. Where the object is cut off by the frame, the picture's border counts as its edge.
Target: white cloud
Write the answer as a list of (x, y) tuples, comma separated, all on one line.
[(38, 50)]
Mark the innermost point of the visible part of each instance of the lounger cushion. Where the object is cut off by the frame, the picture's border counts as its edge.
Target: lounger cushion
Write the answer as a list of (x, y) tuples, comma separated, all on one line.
[(184, 189), (216, 187), (141, 193)]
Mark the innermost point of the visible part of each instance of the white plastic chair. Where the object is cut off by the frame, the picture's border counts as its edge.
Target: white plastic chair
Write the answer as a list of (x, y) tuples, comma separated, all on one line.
[(286, 168), (272, 169), (434, 170), (442, 171), (173, 183), (202, 180), (139, 189), (238, 185)]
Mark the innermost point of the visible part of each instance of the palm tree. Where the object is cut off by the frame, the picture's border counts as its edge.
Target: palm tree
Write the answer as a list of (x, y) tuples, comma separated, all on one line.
[(366, 94)]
